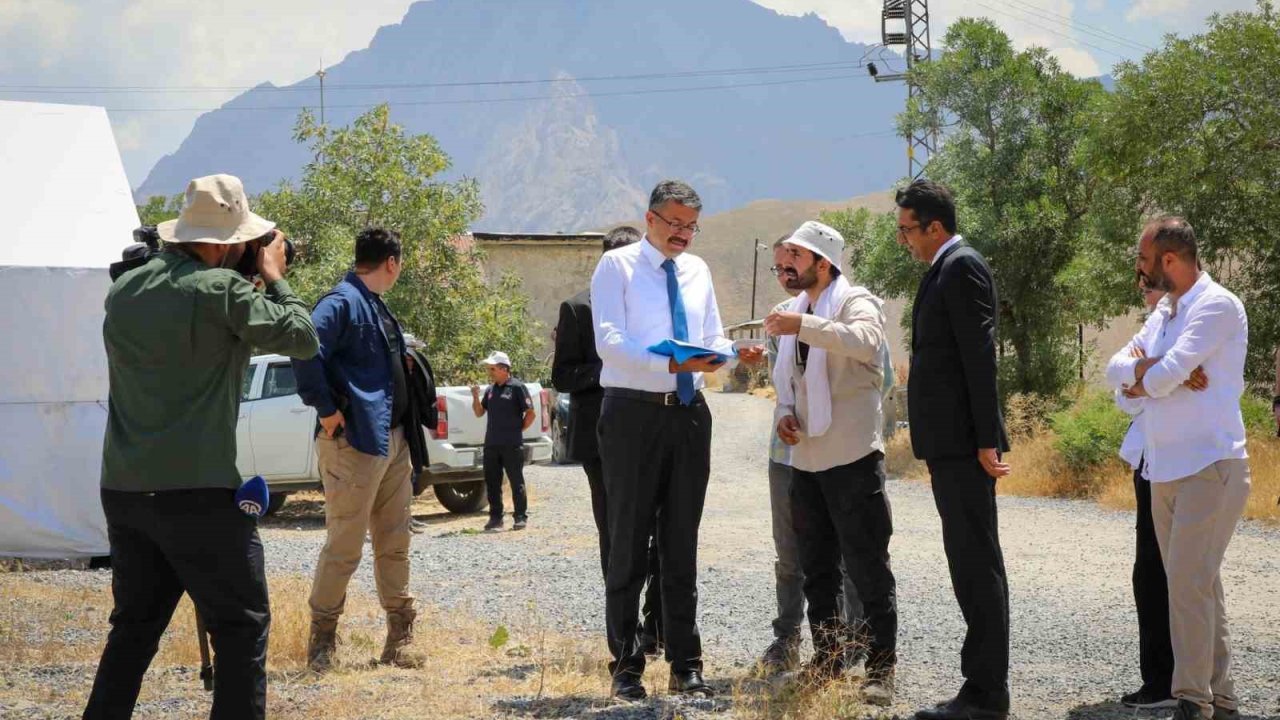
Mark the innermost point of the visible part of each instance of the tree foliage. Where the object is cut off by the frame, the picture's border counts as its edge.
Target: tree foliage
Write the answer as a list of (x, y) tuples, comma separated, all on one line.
[(372, 173), (1194, 129), (159, 208), (1014, 123)]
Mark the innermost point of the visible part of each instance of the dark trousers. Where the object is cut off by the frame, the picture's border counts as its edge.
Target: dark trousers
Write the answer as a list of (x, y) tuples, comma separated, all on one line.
[(508, 458), (1151, 596), (163, 544), (651, 613), (657, 461), (843, 514), (966, 498)]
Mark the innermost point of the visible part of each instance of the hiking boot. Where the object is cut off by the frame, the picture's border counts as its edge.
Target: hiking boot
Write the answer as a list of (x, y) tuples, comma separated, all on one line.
[(878, 688), (322, 645), (782, 655), (494, 525), (399, 635)]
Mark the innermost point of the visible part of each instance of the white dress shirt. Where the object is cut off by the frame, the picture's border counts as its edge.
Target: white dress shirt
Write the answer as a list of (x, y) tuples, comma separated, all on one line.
[(954, 239), (1185, 431), (631, 311)]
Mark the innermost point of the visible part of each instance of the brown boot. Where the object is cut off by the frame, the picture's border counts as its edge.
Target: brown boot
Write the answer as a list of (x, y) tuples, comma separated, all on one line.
[(321, 645), (399, 635)]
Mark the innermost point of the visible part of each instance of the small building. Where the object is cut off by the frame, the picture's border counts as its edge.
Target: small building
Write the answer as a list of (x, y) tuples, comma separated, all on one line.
[(552, 267)]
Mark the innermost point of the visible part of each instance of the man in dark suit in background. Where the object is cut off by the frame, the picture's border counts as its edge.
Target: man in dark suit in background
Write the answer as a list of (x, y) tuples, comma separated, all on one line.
[(957, 429), (575, 369)]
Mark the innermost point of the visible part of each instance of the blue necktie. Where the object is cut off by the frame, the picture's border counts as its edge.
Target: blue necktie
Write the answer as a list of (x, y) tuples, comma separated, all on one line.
[(679, 329)]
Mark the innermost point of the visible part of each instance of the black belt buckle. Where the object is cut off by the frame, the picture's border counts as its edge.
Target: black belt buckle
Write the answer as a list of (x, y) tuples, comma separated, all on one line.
[(670, 399)]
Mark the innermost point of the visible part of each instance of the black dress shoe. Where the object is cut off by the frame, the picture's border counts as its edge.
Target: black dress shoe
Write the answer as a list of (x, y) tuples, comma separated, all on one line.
[(689, 683), (959, 709), (627, 686)]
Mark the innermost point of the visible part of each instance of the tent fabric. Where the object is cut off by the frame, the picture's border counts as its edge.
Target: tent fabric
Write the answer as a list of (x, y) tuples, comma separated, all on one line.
[(69, 213), (64, 195)]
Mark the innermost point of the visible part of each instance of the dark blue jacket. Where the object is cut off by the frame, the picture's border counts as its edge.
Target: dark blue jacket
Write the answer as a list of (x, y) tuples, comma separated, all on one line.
[(352, 371)]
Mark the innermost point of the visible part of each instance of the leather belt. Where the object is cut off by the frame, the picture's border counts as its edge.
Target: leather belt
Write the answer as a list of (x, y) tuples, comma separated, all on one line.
[(668, 399)]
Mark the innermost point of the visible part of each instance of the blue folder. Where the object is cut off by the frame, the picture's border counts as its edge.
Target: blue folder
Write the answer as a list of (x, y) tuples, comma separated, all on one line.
[(681, 351)]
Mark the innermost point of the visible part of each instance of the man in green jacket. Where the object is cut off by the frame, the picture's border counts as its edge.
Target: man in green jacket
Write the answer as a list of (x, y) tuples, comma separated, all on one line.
[(179, 331)]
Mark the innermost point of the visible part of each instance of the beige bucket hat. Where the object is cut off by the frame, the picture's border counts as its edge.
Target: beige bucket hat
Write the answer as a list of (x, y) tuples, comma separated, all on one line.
[(821, 239), (216, 211)]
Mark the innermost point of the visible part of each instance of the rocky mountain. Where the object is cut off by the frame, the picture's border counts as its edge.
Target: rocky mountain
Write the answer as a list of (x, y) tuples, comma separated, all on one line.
[(569, 111)]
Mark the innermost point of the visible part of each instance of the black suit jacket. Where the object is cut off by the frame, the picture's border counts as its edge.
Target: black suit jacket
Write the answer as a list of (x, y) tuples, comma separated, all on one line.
[(952, 402), (576, 370)]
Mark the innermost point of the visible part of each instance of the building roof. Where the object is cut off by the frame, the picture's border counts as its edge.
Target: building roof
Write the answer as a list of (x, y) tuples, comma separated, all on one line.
[(593, 237)]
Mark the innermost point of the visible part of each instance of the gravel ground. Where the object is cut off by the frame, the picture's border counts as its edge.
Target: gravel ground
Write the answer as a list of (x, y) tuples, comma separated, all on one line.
[(1074, 630)]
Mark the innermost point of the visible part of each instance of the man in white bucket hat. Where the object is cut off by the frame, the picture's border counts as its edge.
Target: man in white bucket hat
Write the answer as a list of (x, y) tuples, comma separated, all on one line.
[(179, 330), (828, 376)]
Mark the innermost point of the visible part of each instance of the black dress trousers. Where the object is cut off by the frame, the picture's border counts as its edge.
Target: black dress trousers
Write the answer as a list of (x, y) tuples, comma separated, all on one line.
[(657, 461)]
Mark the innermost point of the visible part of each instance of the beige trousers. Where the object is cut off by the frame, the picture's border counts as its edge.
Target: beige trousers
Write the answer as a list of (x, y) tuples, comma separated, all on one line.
[(1195, 518), (363, 492)]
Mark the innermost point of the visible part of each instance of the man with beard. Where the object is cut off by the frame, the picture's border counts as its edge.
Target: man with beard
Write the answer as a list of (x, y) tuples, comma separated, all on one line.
[(957, 429), (784, 652), (1193, 451), (575, 369), (828, 377), (655, 430)]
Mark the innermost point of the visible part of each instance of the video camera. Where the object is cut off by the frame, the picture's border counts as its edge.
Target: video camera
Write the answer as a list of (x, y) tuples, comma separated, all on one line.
[(146, 245)]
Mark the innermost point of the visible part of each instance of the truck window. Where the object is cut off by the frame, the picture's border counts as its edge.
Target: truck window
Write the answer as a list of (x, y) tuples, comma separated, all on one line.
[(248, 381), (280, 381)]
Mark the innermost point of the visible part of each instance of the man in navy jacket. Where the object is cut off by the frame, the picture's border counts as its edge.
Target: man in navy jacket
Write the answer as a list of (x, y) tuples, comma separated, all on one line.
[(359, 388)]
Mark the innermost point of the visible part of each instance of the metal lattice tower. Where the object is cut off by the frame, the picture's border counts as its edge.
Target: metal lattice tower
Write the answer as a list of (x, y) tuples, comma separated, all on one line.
[(905, 23)]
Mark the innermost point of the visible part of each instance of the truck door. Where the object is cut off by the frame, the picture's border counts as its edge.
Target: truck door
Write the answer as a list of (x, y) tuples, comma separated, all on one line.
[(282, 426)]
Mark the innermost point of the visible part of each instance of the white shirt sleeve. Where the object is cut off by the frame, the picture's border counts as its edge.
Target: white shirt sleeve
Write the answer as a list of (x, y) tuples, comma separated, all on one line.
[(1120, 369), (1209, 325), (712, 328), (609, 311)]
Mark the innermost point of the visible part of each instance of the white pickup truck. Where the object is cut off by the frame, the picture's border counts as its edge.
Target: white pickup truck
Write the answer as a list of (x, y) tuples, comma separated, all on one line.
[(275, 438)]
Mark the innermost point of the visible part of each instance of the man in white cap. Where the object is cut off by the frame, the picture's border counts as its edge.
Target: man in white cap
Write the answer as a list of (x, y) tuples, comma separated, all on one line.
[(510, 411), (178, 333), (828, 377)]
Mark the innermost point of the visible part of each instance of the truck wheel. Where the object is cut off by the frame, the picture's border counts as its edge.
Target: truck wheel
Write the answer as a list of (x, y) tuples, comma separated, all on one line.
[(462, 497), (275, 502)]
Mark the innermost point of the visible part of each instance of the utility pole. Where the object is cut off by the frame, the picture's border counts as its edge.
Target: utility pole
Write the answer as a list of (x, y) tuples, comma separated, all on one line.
[(905, 23), (755, 272), (320, 74)]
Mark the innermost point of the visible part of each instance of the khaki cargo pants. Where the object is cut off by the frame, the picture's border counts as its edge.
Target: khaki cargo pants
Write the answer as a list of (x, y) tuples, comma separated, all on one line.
[(1195, 518), (363, 492)]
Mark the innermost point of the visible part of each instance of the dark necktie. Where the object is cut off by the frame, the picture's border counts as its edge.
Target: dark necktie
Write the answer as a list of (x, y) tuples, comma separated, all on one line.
[(679, 329)]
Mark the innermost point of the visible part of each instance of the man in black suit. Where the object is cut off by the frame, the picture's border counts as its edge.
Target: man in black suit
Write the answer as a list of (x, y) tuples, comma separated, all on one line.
[(575, 369), (957, 429)]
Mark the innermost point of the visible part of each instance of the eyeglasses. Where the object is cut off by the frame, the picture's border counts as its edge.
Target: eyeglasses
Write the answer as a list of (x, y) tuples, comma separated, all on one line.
[(904, 229), (776, 270), (677, 227)]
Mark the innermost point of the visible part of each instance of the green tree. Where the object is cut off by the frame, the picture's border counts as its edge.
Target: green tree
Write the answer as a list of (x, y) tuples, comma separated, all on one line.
[(372, 173), (1014, 123), (1194, 129), (159, 208)]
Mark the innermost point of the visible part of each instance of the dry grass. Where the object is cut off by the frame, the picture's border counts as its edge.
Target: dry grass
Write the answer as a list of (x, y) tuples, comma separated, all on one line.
[(49, 631), (51, 636)]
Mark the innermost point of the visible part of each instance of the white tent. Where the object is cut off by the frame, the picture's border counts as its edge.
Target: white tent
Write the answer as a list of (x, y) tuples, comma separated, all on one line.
[(68, 213)]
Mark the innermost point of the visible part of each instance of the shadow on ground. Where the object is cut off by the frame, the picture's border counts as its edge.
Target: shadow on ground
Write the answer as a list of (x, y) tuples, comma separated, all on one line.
[(598, 708), (1116, 711)]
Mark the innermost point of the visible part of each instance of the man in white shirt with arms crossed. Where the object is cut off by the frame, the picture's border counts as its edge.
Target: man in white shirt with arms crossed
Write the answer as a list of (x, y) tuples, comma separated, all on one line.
[(1194, 452)]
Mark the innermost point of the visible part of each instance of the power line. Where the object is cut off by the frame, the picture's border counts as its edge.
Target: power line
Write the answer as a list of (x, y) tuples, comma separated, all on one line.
[(1093, 30), (1051, 30), (528, 98), (758, 70)]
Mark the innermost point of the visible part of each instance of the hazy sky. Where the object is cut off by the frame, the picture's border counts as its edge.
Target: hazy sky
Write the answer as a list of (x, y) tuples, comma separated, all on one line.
[(229, 45)]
